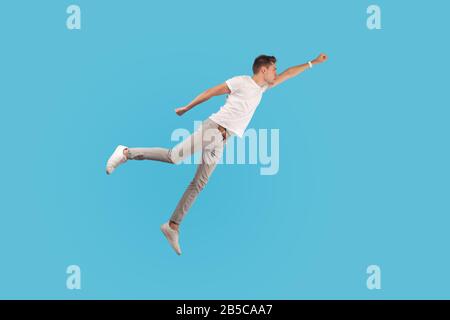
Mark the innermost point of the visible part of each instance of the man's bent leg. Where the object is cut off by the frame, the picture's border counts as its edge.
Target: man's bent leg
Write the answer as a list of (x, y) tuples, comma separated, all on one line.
[(158, 154), (185, 148)]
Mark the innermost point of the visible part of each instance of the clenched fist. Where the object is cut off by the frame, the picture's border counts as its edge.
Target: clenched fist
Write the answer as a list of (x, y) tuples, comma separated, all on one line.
[(181, 110), (321, 58)]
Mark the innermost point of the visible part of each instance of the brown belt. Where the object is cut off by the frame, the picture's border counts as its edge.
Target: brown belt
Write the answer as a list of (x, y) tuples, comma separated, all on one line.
[(223, 131)]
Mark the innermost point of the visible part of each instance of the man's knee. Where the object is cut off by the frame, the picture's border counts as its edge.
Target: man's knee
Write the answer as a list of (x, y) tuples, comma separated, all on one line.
[(175, 155), (171, 157)]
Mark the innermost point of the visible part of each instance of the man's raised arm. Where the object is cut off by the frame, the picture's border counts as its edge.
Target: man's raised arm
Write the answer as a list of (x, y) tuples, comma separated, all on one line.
[(296, 70), (206, 95)]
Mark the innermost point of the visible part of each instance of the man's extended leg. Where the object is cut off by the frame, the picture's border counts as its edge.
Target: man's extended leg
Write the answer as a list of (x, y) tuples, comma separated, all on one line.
[(212, 149), (197, 184)]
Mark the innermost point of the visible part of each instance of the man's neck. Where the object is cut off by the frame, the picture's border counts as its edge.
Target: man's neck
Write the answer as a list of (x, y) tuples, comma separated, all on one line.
[(259, 80)]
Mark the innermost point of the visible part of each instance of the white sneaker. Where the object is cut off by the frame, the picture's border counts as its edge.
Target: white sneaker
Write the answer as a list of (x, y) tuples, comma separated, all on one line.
[(172, 236), (116, 159)]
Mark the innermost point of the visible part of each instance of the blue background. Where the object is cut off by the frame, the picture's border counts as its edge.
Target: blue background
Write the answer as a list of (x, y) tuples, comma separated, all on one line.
[(364, 155)]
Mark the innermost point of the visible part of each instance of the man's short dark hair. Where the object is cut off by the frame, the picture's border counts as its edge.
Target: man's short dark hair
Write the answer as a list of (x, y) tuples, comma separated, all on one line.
[(261, 61)]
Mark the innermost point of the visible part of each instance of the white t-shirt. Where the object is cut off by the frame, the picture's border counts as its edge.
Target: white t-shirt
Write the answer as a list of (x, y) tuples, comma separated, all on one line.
[(240, 105)]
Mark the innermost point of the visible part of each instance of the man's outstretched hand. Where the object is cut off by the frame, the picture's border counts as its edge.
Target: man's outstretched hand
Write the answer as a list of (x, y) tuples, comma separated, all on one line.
[(321, 58), (180, 111)]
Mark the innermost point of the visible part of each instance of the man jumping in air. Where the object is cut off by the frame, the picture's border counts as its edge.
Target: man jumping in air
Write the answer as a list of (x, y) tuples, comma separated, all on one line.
[(244, 94)]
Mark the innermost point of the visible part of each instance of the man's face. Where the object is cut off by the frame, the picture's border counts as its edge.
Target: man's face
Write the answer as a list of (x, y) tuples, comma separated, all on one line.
[(270, 73)]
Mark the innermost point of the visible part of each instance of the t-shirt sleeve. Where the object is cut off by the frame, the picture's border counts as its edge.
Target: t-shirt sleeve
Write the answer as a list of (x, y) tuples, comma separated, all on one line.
[(234, 83)]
